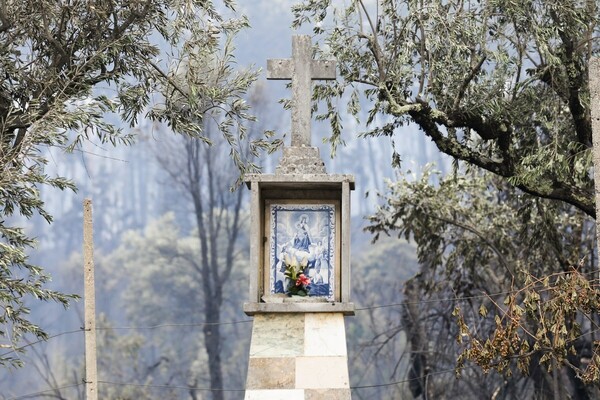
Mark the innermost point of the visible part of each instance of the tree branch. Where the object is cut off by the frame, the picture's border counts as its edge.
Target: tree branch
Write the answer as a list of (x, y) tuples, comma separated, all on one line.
[(463, 87), (6, 24)]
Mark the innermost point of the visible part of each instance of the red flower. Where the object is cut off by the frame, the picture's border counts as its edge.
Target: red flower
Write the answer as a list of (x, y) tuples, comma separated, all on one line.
[(302, 280)]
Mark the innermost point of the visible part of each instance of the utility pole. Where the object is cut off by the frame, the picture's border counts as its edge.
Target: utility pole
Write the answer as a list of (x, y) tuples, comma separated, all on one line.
[(89, 298)]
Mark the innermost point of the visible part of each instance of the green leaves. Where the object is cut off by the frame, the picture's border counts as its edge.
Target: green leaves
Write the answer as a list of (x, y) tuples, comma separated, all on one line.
[(73, 71), (496, 84), (478, 239), (296, 281), (501, 87), (20, 280)]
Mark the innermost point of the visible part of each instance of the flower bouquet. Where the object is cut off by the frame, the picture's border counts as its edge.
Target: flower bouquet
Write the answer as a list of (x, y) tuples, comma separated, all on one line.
[(298, 284)]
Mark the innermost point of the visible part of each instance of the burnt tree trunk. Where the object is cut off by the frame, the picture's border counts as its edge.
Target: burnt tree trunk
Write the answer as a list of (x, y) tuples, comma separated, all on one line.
[(212, 344), (417, 340), (218, 223)]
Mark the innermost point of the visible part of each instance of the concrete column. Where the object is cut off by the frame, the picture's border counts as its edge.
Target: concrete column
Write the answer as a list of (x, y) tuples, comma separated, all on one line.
[(91, 373)]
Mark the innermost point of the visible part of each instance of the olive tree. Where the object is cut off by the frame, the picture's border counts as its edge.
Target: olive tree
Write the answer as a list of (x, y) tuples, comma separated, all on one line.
[(500, 85), (502, 88), (75, 71)]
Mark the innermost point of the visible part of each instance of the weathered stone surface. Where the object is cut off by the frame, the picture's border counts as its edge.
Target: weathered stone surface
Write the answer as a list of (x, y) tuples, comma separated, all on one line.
[(301, 69), (327, 394), (301, 160), (277, 335), (280, 69), (325, 335), (271, 373), (274, 298), (320, 181), (285, 308), (282, 394), (322, 373), (305, 299), (346, 276)]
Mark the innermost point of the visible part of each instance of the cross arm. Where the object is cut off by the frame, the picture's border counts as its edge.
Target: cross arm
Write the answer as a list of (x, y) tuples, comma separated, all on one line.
[(322, 69), (281, 69)]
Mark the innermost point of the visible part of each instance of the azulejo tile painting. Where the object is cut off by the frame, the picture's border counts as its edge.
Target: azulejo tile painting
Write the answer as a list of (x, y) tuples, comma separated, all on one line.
[(304, 233)]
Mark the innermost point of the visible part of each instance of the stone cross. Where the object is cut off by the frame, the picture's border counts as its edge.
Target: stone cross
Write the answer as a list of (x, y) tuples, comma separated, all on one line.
[(301, 69)]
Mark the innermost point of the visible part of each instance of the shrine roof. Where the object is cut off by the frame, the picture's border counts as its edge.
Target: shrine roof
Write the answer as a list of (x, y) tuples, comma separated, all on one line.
[(300, 180)]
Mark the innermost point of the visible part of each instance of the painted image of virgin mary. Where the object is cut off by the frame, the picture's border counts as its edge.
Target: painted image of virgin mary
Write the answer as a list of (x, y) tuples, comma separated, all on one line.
[(302, 237)]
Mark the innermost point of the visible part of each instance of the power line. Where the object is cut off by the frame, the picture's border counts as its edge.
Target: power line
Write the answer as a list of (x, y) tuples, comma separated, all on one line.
[(449, 299), (441, 372), (171, 387), (404, 303), (245, 321), (16, 349), (462, 298), (192, 324), (174, 325), (45, 391)]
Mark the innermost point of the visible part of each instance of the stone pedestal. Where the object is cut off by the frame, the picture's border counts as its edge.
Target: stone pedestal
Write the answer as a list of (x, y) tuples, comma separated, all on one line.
[(298, 356)]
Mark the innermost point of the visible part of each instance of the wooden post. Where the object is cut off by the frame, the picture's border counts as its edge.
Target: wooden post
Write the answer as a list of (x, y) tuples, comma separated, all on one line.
[(89, 296)]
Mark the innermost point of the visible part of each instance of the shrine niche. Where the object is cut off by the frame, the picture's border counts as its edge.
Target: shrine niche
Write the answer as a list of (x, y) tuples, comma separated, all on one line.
[(301, 221)]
